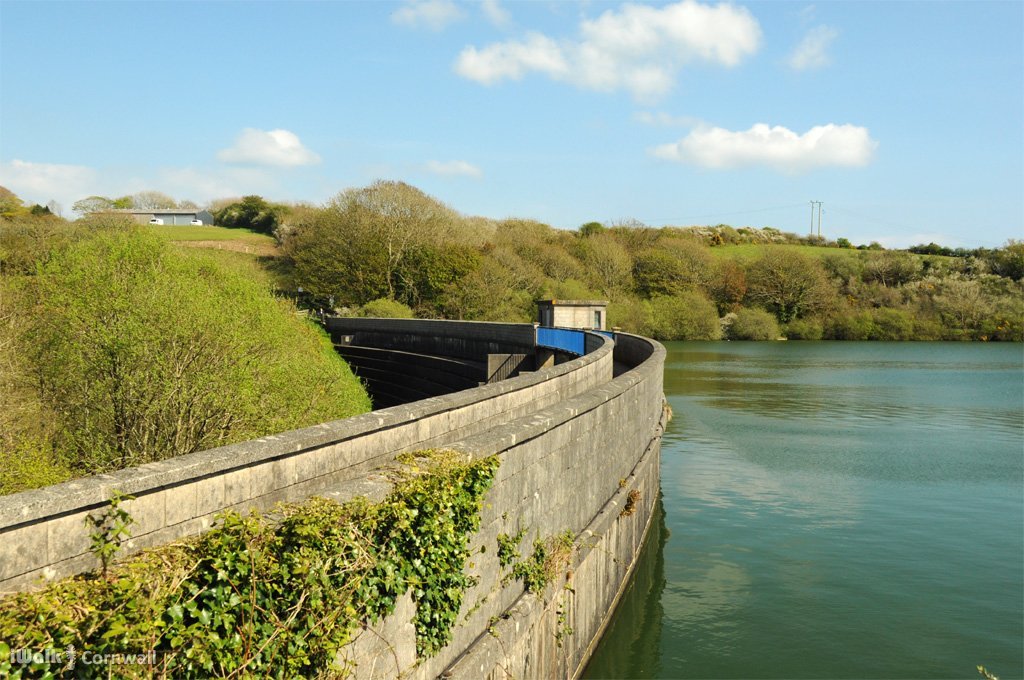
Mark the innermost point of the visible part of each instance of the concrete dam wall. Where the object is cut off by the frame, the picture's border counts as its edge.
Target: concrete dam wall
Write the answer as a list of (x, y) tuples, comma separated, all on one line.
[(578, 439)]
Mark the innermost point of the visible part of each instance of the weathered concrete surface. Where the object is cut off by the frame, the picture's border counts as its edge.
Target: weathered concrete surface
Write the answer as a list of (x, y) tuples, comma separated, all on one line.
[(575, 444), (42, 533), (570, 467)]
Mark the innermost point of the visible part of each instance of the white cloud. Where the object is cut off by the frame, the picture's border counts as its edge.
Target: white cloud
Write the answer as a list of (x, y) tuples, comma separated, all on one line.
[(638, 48), (663, 119), (812, 52), (513, 60), (432, 14), (453, 169), (268, 147), (775, 147), (495, 13), (43, 182)]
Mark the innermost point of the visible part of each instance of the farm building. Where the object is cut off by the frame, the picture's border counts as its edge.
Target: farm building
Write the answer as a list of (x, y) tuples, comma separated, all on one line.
[(170, 216)]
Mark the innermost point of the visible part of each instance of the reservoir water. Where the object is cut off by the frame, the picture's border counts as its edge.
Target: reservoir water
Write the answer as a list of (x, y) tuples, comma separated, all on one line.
[(832, 510)]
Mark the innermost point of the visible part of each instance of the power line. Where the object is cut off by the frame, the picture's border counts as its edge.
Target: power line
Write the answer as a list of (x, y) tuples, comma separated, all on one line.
[(819, 204)]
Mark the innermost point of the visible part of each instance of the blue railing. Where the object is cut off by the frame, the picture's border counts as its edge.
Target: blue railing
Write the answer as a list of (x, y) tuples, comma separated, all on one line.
[(566, 339)]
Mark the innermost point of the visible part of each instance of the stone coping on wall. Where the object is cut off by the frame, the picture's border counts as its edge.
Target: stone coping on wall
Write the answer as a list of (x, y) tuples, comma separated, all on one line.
[(521, 443), (88, 493)]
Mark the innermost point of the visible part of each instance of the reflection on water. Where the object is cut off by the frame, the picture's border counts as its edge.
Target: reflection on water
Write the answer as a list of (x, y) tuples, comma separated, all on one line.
[(630, 646), (849, 510)]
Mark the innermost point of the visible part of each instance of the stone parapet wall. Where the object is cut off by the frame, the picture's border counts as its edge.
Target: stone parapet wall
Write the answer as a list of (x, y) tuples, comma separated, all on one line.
[(42, 534), (570, 467), (578, 445)]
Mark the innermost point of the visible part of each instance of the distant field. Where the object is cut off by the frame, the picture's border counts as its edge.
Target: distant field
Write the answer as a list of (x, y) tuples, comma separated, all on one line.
[(221, 238), (746, 252), (183, 233), (751, 251)]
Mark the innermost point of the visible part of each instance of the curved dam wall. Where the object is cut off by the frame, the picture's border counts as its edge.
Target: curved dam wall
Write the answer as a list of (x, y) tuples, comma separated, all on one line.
[(578, 444)]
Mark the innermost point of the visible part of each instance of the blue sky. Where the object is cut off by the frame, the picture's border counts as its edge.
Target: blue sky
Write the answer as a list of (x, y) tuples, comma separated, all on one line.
[(905, 118)]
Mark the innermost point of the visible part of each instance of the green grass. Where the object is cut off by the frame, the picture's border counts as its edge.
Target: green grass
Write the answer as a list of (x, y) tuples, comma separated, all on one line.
[(210, 233), (747, 252), (751, 251)]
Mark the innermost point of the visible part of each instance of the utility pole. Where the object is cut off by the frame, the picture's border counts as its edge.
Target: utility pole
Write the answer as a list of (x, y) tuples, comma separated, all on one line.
[(815, 203)]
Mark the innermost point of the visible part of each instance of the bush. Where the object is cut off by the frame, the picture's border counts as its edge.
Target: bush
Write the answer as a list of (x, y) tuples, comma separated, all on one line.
[(809, 328), (852, 326), (252, 212), (688, 316), (383, 308), (142, 352), (262, 596), (891, 324), (789, 284), (753, 324), (631, 315)]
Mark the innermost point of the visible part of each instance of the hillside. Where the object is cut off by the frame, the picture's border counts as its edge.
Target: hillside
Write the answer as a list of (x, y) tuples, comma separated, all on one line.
[(118, 349)]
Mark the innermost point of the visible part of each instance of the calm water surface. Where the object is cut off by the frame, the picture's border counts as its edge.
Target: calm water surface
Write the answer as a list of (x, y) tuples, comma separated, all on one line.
[(833, 510)]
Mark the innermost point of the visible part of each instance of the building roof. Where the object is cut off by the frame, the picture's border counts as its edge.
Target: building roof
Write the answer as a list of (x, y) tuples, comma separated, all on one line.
[(574, 303), (161, 211)]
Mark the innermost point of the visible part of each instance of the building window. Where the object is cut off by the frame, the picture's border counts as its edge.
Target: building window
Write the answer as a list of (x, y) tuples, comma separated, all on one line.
[(597, 319)]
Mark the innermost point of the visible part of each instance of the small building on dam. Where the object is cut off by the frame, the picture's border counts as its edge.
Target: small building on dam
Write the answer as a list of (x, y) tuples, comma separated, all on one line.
[(574, 420)]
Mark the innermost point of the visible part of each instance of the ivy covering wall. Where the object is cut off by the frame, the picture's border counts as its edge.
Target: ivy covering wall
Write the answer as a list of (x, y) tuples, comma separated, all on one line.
[(266, 595)]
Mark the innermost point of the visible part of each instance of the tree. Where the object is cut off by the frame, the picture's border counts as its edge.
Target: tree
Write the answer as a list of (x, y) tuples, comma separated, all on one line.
[(1008, 261), (788, 284), (142, 351), (729, 286), (10, 204), (334, 255), (152, 200), (753, 324), (688, 316), (656, 272), (429, 270), (675, 265), (891, 268), (92, 204), (963, 306), (251, 212), (386, 309), (608, 263)]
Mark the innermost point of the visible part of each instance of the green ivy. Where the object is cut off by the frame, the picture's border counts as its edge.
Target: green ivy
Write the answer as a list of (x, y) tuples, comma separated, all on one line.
[(508, 548), (268, 595), (549, 557)]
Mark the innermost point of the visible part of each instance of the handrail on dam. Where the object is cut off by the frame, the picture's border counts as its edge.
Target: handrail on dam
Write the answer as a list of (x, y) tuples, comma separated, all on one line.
[(578, 449), (567, 339)]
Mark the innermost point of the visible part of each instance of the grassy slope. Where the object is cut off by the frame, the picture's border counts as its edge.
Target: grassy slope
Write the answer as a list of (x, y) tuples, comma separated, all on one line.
[(751, 251), (747, 252), (210, 233)]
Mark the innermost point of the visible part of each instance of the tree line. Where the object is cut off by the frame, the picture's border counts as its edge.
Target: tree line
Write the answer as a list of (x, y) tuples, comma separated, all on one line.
[(391, 249)]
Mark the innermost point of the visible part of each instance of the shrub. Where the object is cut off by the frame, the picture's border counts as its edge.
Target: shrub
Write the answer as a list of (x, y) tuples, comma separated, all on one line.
[(891, 324), (29, 464), (632, 315), (808, 328), (267, 596), (386, 309), (788, 284), (753, 324), (142, 352), (688, 316), (852, 326)]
